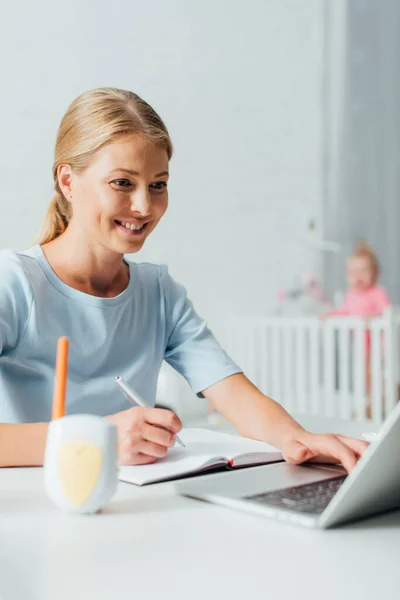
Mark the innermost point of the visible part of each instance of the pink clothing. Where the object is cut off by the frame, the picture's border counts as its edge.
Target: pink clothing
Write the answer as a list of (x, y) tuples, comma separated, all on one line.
[(367, 303)]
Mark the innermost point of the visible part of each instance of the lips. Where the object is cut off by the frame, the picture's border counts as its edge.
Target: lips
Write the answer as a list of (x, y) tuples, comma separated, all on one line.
[(133, 225), (132, 229)]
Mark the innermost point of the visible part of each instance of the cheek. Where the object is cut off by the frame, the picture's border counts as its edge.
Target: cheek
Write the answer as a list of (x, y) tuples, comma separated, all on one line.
[(353, 281), (100, 202), (160, 206), (86, 201), (108, 200)]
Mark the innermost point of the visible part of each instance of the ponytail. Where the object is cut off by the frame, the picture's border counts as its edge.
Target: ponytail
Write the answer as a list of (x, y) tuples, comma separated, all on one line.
[(57, 218)]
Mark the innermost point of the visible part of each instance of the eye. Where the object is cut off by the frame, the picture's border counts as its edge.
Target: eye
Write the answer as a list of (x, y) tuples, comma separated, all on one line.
[(122, 183), (159, 186)]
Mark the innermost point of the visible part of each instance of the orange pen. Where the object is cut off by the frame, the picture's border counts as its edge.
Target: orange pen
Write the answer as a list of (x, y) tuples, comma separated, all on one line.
[(60, 383)]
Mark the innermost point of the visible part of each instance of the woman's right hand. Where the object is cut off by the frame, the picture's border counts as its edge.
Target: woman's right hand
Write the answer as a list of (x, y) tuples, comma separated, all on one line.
[(141, 439)]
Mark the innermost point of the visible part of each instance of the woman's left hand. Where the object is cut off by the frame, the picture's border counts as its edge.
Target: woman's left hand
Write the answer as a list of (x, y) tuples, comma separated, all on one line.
[(324, 448)]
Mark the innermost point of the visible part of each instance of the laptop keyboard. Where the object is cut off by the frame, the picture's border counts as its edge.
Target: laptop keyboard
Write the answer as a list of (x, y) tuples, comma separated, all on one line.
[(310, 498)]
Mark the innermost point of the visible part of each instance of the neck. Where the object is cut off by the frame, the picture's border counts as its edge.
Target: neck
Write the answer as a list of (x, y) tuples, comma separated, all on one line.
[(87, 266)]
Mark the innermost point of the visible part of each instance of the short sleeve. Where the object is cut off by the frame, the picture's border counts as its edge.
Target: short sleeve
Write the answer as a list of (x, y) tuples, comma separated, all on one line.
[(191, 348), (15, 302)]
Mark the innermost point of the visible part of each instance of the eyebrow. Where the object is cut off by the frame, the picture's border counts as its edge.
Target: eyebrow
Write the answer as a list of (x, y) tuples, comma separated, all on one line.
[(136, 172)]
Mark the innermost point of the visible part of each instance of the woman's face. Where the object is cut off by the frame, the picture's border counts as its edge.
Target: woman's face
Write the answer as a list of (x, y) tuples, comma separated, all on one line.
[(121, 196)]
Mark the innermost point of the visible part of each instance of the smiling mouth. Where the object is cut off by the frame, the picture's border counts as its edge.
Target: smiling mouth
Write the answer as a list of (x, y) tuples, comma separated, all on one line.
[(131, 229)]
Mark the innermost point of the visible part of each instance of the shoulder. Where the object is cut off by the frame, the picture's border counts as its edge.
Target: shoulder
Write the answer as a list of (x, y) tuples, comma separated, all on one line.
[(380, 292), (9, 259), (16, 295), (150, 274), (13, 271), (160, 286), (147, 271)]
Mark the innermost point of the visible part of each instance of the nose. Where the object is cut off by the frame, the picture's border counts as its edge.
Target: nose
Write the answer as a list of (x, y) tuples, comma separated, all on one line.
[(141, 201)]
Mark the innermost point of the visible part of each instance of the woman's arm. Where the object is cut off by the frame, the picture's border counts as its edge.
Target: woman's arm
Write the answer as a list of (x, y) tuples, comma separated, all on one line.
[(257, 416), (22, 445), (144, 434)]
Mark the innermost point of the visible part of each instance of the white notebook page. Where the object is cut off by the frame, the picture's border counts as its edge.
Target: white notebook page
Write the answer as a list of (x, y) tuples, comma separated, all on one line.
[(203, 448)]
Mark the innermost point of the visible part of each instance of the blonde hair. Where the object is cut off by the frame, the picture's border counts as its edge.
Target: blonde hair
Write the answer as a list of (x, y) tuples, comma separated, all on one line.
[(363, 250), (94, 119)]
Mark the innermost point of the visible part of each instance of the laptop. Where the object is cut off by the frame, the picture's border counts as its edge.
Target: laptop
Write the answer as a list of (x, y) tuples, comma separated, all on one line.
[(312, 495)]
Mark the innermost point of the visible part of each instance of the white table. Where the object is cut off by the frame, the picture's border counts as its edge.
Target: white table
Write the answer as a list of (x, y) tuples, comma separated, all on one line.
[(149, 544)]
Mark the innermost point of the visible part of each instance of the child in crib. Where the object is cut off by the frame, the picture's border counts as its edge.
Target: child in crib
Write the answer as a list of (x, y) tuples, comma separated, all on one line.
[(364, 298)]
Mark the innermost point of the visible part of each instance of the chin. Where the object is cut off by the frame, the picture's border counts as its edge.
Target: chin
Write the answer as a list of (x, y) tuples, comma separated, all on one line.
[(123, 243), (129, 248)]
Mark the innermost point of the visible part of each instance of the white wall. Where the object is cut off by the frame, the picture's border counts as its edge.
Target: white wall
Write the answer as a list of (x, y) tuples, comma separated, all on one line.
[(239, 86)]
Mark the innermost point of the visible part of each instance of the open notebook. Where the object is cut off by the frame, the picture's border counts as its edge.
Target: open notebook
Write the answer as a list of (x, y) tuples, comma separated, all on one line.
[(204, 450)]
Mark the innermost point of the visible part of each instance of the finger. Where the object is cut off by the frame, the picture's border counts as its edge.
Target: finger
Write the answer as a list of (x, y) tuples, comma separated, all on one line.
[(136, 416), (321, 449), (163, 418), (128, 440), (358, 446), (153, 433), (295, 452), (144, 459), (330, 447), (137, 458), (151, 449)]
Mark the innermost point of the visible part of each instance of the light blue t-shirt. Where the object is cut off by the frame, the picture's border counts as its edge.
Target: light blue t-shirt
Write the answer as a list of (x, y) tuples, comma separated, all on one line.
[(129, 335)]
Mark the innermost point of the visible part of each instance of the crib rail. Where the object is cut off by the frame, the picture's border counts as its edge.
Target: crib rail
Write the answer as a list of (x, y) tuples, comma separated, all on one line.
[(341, 368)]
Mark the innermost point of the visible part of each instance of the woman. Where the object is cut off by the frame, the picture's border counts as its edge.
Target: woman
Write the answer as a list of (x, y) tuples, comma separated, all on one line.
[(110, 173)]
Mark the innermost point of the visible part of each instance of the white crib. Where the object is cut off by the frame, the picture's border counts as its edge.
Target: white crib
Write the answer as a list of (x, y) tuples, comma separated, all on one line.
[(316, 368)]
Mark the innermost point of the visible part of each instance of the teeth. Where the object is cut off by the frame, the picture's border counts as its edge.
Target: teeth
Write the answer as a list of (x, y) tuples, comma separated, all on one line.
[(132, 226)]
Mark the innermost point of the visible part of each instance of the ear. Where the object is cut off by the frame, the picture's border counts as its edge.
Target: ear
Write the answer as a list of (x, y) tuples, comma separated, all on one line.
[(64, 176)]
